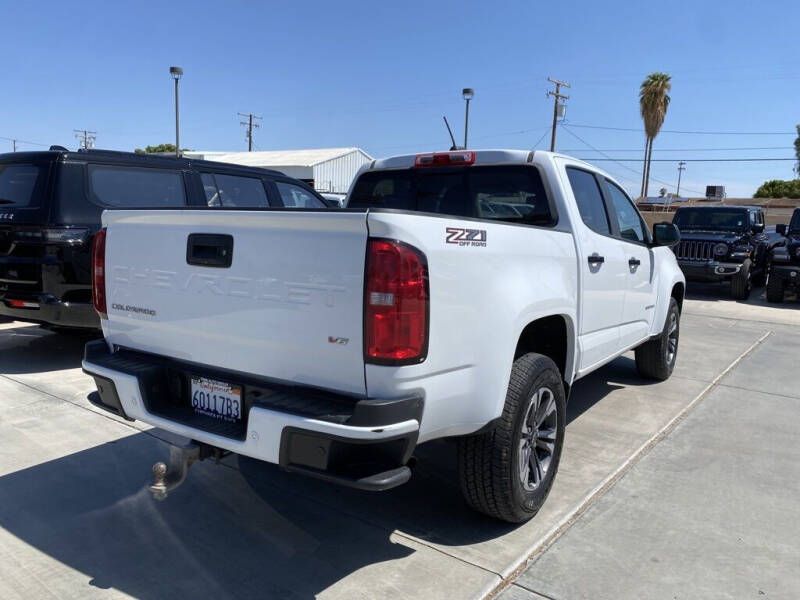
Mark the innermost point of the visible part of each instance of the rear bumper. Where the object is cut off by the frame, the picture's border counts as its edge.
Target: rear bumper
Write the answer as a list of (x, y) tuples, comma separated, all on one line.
[(47, 309), (358, 442), (710, 270)]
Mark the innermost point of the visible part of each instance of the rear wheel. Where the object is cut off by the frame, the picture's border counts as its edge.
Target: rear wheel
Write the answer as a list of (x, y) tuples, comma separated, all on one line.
[(776, 288), (507, 472), (742, 282), (656, 359)]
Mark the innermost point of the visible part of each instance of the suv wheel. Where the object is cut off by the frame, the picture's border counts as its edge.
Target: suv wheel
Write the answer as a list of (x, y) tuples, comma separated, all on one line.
[(656, 359), (507, 472), (742, 283), (776, 289)]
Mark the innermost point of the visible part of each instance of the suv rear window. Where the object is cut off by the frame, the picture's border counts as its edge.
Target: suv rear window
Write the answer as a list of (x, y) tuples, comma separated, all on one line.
[(505, 193), (18, 184), (136, 187)]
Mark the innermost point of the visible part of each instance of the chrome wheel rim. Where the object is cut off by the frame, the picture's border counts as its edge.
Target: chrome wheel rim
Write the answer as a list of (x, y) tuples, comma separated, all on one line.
[(672, 338), (537, 442)]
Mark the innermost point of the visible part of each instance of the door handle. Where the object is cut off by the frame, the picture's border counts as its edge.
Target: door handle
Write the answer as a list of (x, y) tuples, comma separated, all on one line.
[(209, 250), (634, 262), (596, 259)]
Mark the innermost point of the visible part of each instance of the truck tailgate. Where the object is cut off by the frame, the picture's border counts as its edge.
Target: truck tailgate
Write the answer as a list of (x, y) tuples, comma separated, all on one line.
[(289, 306)]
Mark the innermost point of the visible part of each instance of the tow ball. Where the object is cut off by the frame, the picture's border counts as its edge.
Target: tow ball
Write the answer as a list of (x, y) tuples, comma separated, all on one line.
[(167, 477)]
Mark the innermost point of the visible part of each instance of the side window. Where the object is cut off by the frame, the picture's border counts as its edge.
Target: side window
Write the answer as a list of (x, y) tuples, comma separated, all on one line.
[(590, 200), (234, 191), (294, 196), (630, 223), (135, 187)]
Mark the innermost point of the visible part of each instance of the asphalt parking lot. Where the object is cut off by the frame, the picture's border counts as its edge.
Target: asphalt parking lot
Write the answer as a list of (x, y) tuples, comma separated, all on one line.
[(681, 489)]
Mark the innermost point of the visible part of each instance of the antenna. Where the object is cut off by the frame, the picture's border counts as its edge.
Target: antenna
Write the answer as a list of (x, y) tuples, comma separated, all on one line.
[(450, 131)]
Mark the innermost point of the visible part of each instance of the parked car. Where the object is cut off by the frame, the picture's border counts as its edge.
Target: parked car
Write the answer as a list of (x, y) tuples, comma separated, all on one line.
[(50, 206), (785, 271), (725, 243), (333, 200), (332, 343)]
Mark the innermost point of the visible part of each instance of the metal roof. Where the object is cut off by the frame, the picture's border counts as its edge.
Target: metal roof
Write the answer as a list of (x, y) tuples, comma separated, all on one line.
[(280, 158)]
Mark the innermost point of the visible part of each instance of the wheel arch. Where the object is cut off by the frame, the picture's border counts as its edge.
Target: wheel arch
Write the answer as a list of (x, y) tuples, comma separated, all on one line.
[(554, 337)]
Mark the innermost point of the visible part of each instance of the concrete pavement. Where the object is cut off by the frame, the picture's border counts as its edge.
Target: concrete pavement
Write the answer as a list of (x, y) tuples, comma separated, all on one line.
[(77, 522)]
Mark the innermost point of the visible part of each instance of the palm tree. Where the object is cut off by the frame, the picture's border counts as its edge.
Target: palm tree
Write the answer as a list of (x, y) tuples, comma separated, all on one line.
[(653, 103)]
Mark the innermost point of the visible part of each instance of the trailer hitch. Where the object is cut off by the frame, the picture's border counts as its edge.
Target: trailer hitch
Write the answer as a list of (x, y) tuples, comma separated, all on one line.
[(167, 478)]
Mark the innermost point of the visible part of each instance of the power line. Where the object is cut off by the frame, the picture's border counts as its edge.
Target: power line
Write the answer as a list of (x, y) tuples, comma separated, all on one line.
[(16, 141), (609, 158), (686, 132), (691, 159), (689, 149), (539, 141)]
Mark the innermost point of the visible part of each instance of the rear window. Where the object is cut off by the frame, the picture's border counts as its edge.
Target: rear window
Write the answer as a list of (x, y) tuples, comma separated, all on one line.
[(506, 193), (18, 185), (135, 187)]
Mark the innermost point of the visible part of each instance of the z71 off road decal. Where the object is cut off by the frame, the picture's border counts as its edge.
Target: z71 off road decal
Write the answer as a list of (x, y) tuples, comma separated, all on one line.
[(465, 237)]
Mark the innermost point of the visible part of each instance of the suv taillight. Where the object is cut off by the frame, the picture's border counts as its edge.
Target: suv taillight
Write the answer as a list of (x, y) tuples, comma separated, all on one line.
[(99, 273), (396, 304)]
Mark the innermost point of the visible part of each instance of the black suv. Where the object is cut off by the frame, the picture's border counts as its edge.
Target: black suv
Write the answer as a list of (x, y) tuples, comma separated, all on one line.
[(721, 243), (50, 207), (785, 271)]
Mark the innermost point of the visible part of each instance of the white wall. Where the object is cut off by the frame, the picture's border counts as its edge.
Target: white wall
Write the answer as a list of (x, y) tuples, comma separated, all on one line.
[(337, 174)]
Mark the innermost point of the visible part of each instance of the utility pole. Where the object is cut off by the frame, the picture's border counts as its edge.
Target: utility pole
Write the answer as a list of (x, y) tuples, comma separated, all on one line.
[(681, 169), (557, 95), (85, 138), (14, 145), (250, 125)]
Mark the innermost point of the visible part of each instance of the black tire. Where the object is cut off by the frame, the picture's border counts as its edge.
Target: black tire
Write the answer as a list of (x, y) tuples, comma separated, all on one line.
[(742, 283), (776, 289), (655, 359), (489, 463)]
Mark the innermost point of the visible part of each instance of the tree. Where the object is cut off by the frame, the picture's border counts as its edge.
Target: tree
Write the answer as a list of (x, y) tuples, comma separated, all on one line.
[(777, 188), (662, 192), (161, 148), (797, 152), (653, 102)]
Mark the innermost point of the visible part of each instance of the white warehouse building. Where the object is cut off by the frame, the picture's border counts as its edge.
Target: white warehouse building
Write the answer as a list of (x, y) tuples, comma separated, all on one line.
[(327, 169)]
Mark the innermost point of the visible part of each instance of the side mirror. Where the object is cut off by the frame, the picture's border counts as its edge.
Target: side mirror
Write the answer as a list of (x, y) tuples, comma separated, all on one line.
[(666, 234), (758, 228), (780, 229)]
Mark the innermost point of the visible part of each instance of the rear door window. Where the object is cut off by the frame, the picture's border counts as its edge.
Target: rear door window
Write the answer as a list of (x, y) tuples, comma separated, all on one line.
[(136, 187), (234, 191), (294, 196), (589, 199), (18, 185), (508, 193)]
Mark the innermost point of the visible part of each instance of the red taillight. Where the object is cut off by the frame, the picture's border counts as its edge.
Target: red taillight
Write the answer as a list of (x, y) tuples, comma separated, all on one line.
[(445, 159), (396, 304), (99, 272)]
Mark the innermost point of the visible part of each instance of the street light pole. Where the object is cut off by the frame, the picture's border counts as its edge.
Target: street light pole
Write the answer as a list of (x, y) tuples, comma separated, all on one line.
[(176, 73), (467, 93)]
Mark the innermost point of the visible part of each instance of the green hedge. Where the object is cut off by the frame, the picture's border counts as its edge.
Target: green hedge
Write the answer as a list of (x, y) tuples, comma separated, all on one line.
[(778, 188)]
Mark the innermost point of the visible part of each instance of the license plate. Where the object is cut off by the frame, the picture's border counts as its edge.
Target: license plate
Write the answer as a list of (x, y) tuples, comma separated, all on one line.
[(216, 399)]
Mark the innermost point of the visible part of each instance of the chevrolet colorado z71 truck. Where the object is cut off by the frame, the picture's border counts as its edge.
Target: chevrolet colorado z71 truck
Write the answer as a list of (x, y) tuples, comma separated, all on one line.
[(725, 243), (785, 262), (460, 295)]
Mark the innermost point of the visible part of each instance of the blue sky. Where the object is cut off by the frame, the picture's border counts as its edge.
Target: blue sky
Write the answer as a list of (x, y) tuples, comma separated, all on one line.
[(381, 75)]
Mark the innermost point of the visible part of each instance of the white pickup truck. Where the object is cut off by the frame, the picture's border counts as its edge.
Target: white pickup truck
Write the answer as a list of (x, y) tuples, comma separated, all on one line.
[(460, 295)]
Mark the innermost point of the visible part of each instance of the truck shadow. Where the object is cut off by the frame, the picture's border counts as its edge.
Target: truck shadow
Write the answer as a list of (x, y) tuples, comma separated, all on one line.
[(720, 292), (31, 349), (244, 528)]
